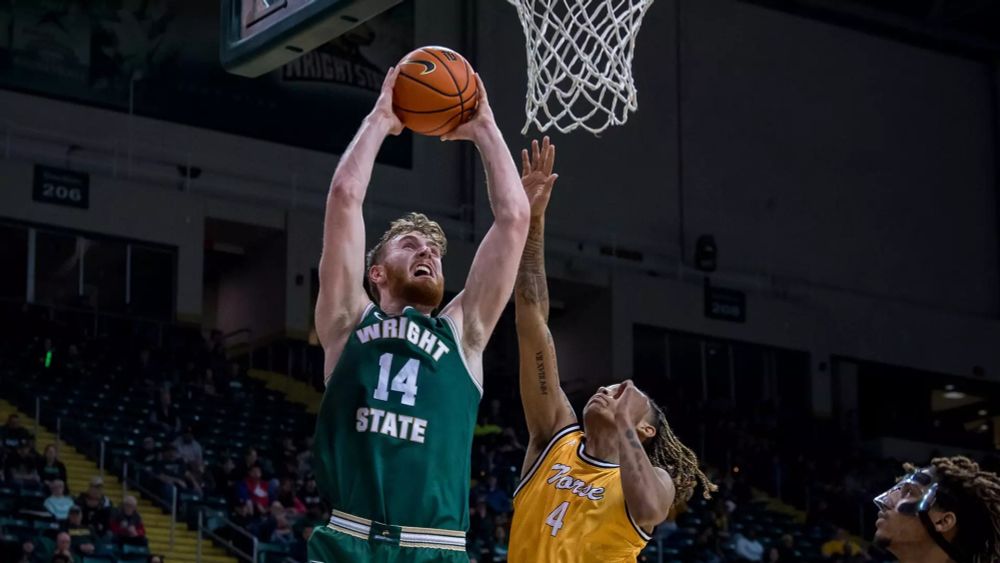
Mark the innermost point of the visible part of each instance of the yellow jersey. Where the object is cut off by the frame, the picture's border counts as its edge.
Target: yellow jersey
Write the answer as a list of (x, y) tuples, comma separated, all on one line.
[(570, 508)]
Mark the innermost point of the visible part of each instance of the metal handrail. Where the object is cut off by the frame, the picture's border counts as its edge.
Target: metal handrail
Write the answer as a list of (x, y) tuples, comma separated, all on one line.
[(172, 504), (251, 557)]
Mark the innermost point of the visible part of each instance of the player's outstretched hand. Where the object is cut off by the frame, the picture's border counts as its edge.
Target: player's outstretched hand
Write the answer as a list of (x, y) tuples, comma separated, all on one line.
[(536, 175), (482, 121), (383, 106)]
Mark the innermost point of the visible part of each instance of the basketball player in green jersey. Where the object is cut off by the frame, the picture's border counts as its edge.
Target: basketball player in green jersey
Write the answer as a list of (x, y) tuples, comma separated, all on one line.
[(394, 432)]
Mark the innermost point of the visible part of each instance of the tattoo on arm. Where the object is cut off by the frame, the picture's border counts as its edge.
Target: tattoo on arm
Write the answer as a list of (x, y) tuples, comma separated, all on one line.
[(531, 282), (633, 440), (543, 386), (638, 453)]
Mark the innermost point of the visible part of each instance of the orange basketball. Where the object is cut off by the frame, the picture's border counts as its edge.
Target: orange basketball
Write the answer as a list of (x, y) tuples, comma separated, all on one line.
[(436, 91)]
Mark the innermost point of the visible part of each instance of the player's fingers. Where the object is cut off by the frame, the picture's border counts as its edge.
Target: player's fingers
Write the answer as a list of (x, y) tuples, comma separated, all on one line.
[(525, 163), (550, 181), (390, 78), (550, 159), (535, 152)]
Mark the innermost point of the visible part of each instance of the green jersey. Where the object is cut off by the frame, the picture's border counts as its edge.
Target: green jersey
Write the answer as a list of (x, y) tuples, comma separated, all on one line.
[(394, 432)]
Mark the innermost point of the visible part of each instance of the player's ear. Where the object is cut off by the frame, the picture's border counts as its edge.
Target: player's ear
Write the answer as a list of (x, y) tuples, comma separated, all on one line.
[(944, 521), (646, 431), (376, 275)]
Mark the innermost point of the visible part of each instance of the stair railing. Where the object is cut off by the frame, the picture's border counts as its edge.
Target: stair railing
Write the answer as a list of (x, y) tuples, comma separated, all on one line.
[(157, 499), (204, 530)]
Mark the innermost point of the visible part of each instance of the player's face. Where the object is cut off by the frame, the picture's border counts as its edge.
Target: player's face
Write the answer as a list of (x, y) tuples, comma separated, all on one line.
[(599, 408), (894, 529), (412, 264)]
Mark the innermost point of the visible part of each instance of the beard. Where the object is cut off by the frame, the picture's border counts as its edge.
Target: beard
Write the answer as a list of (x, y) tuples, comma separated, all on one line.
[(881, 541), (424, 292)]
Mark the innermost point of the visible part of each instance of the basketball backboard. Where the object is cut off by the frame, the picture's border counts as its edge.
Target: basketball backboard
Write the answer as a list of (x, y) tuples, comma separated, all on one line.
[(259, 36)]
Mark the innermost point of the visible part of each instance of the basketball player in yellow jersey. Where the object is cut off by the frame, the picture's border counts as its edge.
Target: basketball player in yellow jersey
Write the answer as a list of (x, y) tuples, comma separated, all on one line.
[(592, 493)]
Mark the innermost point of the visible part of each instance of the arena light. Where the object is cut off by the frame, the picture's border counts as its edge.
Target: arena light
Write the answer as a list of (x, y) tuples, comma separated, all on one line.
[(953, 395)]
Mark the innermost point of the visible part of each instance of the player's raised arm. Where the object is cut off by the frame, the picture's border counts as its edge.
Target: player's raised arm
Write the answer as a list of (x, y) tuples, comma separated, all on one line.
[(649, 490), (546, 408), (341, 266), (491, 276)]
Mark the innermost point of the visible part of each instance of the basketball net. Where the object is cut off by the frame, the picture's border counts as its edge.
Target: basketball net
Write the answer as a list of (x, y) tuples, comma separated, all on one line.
[(580, 61)]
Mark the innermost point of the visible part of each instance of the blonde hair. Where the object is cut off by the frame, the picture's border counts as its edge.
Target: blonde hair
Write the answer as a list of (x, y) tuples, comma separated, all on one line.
[(410, 223), (667, 452)]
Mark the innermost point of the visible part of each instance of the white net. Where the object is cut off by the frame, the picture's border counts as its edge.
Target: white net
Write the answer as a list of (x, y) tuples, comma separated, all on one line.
[(580, 61)]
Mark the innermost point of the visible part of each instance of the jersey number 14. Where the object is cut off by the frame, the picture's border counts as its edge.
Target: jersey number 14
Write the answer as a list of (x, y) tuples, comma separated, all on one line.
[(404, 382)]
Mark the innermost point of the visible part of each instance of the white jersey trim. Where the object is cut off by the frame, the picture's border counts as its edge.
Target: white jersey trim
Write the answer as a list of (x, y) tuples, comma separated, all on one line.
[(638, 529), (538, 462), (408, 537), (581, 451)]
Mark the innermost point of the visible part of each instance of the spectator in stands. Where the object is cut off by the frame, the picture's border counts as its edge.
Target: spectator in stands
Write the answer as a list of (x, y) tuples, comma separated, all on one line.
[(498, 500), (81, 535), (840, 545), (126, 524), (282, 533), (267, 527), (306, 458), (170, 472), (288, 458), (22, 467), (207, 385), (198, 480), (50, 468), (481, 521), (164, 416), (14, 434), (748, 547), (500, 544), (286, 496), (148, 455), (29, 553), (254, 490), (310, 495), (226, 476), (188, 448), (58, 504), (96, 507), (63, 552), (250, 460), (243, 516)]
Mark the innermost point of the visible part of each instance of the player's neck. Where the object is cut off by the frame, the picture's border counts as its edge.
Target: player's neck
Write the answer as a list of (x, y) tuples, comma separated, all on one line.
[(393, 306), (920, 554), (602, 444)]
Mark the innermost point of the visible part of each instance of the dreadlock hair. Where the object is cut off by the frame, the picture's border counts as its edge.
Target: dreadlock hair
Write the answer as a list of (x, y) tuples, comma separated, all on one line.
[(668, 453), (974, 496), (410, 223)]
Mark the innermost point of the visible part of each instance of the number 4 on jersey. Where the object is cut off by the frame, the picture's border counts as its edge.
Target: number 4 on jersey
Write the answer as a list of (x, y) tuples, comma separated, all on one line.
[(555, 518), (405, 381)]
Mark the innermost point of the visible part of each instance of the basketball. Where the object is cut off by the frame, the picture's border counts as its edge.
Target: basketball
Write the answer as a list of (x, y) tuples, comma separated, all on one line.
[(436, 91)]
